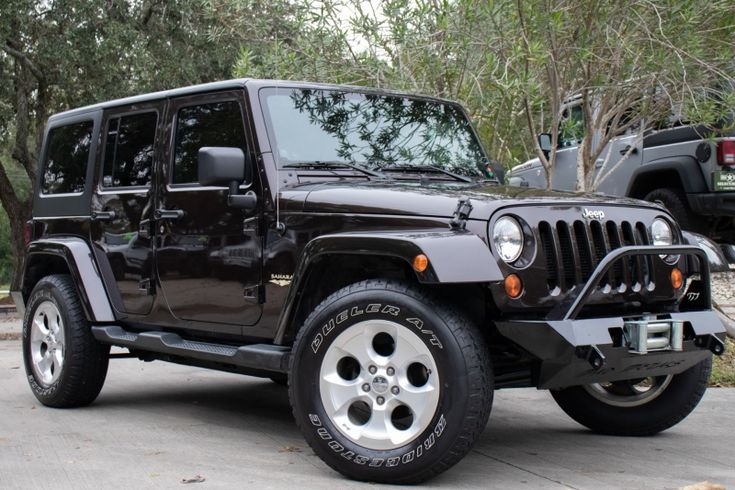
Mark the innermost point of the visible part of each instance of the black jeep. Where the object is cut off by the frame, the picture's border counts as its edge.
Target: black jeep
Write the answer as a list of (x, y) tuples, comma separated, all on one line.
[(355, 245)]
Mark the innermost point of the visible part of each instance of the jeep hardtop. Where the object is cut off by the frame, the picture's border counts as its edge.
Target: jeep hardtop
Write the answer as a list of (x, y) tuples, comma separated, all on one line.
[(354, 245)]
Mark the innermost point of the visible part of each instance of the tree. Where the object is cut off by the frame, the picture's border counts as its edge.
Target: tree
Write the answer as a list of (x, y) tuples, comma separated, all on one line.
[(59, 54), (629, 63)]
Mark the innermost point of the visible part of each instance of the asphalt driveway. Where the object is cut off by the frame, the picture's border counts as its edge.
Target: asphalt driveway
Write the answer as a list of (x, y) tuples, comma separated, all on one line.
[(155, 424)]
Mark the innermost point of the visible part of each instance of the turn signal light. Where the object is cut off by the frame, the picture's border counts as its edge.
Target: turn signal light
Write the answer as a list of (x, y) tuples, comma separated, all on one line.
[(420, 263), (513, 286), (677, 278)]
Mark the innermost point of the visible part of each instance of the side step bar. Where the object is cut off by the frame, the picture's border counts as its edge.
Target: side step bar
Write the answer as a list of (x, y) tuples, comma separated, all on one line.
[(264, 357)]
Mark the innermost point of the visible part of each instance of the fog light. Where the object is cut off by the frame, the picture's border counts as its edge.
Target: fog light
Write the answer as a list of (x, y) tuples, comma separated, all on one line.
[(420, 263), (677, 278), (513, 286)]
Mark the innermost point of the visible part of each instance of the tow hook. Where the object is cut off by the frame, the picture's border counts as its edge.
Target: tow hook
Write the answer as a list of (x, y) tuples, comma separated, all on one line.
[(711, 342), (592, 355)]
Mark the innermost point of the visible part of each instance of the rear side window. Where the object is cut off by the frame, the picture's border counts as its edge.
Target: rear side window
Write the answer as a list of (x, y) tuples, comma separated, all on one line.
[(129, 150), (67, 156), (216, 124)]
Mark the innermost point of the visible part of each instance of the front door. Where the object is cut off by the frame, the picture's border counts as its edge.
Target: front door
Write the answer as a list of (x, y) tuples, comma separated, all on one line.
[(208, 254), (122, 206)]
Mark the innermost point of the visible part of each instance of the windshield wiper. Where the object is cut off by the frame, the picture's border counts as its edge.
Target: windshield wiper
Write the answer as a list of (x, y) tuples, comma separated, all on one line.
[(423, 169), (334, 164)]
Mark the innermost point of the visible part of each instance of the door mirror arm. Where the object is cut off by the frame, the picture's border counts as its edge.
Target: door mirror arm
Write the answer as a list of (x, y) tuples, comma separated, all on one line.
[(246, 201)]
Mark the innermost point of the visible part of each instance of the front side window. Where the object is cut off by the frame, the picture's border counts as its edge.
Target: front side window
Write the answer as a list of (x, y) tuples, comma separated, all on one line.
[(67, 156), (571, 128), (375, 131), (215, 124), (129, 150)]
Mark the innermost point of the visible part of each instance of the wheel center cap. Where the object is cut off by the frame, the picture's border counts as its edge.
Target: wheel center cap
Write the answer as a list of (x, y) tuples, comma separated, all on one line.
[(380, 384)]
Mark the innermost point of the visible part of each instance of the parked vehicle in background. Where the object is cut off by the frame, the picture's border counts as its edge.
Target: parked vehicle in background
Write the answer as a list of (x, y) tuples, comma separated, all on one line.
[(689, 169), (354, 244)]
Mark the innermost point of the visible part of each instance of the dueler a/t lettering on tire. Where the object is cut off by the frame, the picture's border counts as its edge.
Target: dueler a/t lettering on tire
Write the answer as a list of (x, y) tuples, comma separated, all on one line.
[(640, 407), (389, 385), (65, 365)]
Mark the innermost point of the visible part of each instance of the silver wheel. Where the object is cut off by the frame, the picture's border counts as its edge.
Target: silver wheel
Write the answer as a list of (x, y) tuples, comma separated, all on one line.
[(47, 343), (629, 393), (379, 384)]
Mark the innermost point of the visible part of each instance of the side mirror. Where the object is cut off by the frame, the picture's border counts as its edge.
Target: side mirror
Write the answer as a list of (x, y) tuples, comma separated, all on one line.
[(544, 142), (227, 166)]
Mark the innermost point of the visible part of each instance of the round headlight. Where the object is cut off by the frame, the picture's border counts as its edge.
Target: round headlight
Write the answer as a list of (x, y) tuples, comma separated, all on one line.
[(508, 238), (661, 233)]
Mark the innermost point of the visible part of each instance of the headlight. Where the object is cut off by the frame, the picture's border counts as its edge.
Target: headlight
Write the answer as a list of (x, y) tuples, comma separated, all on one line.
[(508, 238), (662, 233)]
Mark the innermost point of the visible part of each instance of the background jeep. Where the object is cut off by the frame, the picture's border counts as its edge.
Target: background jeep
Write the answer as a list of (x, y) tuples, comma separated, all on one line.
[(372, 264)]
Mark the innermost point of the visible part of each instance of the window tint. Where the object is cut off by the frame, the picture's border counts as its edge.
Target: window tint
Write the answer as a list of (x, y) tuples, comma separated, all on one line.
[(572, 127), (129, 150), (66, 158), (217, 124)]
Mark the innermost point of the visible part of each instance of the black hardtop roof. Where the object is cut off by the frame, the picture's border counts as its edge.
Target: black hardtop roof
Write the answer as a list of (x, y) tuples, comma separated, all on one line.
[(230, 85)]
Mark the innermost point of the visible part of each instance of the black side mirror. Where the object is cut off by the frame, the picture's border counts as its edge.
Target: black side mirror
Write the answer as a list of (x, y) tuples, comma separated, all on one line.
[(544, 142), (227, 166)]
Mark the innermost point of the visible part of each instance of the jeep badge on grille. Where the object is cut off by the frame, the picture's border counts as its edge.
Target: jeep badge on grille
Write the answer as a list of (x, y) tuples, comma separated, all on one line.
[(593, 214)]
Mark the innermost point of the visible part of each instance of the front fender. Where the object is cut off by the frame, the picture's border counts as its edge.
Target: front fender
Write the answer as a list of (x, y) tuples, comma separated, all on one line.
[(454, 257), (79, 260)]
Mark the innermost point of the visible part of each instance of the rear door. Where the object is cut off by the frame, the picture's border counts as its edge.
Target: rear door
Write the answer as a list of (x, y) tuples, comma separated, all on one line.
[(208, 254), (122, 205)]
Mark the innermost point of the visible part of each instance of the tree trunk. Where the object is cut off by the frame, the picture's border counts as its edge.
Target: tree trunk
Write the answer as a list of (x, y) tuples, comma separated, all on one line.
[(17, 228)]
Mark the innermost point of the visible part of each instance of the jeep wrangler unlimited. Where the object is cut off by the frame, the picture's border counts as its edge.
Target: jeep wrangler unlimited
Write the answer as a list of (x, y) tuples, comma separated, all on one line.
[(351, 243)]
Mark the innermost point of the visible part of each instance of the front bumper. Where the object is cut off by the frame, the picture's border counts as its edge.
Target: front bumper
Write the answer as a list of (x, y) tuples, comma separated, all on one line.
[(575, 351)]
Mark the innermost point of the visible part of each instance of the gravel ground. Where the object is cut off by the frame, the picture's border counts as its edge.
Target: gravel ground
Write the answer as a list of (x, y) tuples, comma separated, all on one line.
[(723, 288)]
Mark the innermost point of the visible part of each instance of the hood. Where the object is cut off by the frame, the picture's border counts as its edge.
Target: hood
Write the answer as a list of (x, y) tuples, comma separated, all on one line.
[(436, 199)]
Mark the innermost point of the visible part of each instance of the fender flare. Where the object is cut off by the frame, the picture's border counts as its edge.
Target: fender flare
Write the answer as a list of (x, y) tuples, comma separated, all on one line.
[(80, 261), (454, 257), (686, 168)]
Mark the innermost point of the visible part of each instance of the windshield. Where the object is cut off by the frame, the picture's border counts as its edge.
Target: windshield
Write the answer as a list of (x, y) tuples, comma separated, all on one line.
[(373, 131)]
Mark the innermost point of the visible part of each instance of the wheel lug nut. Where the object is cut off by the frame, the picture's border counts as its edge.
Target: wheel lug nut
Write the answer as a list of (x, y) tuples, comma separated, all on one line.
[(391, 371), (381, 400), (373, 369), (366, 387), (395, 390)]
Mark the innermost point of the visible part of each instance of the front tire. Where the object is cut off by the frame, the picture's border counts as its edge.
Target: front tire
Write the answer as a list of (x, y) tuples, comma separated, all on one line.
[(637, 407), (65, 365), (387, 384)]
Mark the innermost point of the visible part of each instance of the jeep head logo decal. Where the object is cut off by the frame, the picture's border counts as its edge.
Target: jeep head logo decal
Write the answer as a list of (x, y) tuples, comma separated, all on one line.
[(593, 214)]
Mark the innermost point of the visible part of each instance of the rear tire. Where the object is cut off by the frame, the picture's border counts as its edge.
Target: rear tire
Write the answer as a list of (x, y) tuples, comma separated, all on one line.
[(65, 365), (675, 202), (387, 384), (610, 411)]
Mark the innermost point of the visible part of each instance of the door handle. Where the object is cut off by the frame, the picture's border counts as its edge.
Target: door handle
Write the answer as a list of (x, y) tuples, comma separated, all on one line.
[(169, 213), (623, 151), (103, 215)]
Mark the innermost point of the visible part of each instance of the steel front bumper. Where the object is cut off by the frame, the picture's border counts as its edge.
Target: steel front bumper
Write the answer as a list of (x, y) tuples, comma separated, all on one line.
[(576, 351)]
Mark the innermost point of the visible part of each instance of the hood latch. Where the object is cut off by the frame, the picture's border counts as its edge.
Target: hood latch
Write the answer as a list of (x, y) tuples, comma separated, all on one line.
[(461, 214)]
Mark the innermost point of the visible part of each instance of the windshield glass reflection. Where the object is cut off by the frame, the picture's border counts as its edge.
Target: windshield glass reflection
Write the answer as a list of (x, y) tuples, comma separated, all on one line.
[(373, 131)]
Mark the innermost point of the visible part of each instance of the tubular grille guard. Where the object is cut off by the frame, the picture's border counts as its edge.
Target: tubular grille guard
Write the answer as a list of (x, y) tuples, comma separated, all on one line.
[(586, 244), (648, 253)]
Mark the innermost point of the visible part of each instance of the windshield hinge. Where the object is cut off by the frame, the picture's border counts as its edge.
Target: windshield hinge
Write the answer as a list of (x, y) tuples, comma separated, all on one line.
[(461, 214)]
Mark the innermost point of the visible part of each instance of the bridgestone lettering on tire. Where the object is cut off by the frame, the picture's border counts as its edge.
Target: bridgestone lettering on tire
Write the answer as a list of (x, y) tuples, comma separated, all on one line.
[(625, 409), (388, 384), (65, 365)]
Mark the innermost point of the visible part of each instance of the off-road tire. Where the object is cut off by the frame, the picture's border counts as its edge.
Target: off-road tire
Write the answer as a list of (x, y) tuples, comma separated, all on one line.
[(678, 399), (456, 347), (85, 362), (675, 202)]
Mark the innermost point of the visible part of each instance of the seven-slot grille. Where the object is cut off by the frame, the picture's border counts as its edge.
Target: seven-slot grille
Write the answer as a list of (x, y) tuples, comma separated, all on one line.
[(573, 251)]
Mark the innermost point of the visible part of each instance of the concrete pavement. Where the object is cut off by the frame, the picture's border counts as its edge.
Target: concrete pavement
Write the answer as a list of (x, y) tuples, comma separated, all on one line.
[(156, 423)]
